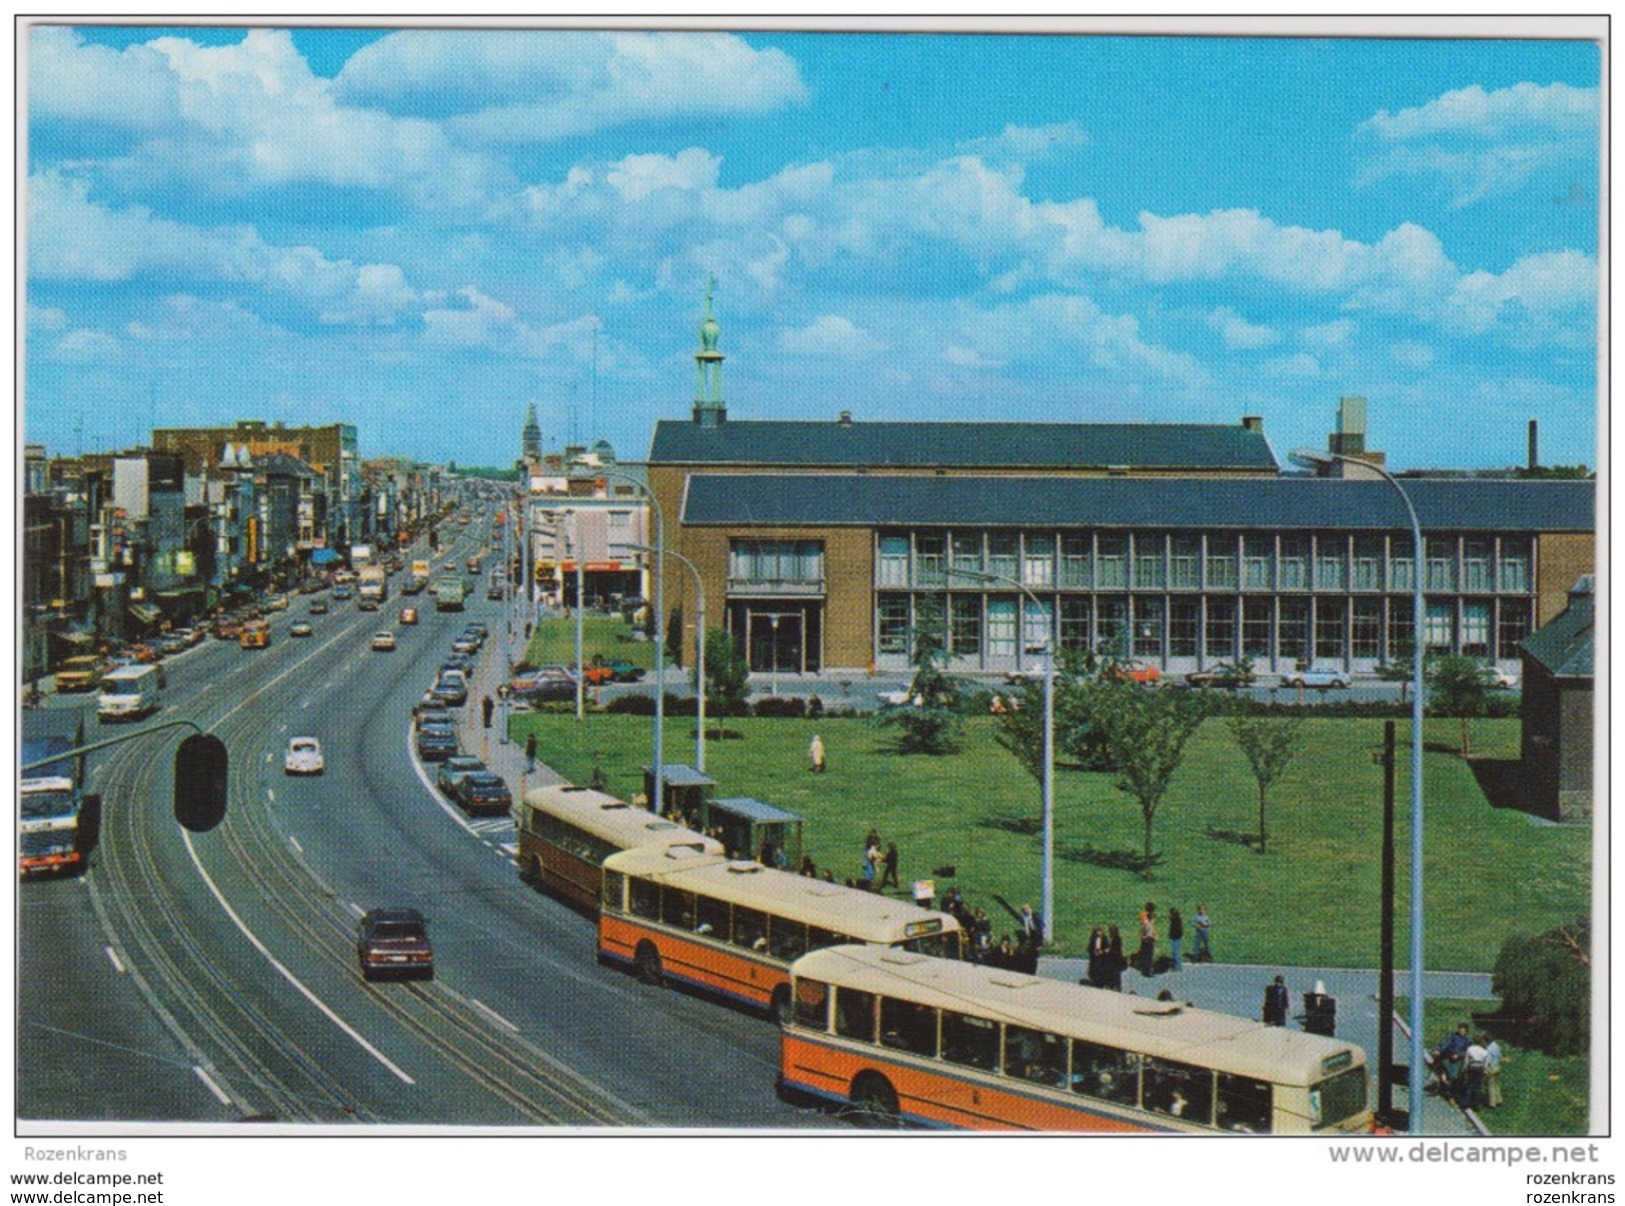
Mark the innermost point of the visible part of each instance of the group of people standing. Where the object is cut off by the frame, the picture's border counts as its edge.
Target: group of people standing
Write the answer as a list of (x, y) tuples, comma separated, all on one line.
[(1467, 1070), (1108, 962)]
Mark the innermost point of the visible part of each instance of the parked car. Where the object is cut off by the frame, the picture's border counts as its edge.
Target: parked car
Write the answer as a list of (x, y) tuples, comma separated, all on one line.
[(318, 607), (300, 628), (1225, 674), (394, 942), (483, 794), (453, 769), (465, 644), (1498, 679), (1134, 672), (542, 686), (429, 712), (1319, 675), (436, 742), (383, 642), (304, 757), (621, 670)]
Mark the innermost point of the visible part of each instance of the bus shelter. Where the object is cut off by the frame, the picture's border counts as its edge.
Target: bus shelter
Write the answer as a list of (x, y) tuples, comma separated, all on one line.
[(687, 792), (747, 826)]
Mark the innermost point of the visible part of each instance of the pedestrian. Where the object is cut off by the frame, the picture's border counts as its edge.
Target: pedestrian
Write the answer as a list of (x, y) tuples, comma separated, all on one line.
[(486, 708), (530, 751), (1492, 1074), (1176, 934), (1472, 1075), (890, 865), (1147, 956), (1032, 927), (871, 865), (815, 754), (1201, 951), (1449, 1060), (1099, 951), (1115, 961), (1276, 1002)]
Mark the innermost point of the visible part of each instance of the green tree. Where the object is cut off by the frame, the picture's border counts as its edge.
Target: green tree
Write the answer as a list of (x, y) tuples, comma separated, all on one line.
[(674, 637), (1270, 746), (1545, 988), (1458, 686), (727, 674), (930, 721), (1147, 729)]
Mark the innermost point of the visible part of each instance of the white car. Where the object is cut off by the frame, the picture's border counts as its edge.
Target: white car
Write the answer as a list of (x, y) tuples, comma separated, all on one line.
[(1321, 676), (383, 641), (304, 757), (1501, 680)]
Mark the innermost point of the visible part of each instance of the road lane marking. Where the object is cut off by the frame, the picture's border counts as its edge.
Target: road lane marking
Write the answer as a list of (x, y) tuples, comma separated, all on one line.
[(287, 975), (208, 1080), (112, 956), (294, 842), (492, 1014)]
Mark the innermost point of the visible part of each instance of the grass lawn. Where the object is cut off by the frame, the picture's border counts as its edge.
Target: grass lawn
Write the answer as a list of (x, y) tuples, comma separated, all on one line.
[(554, 642), (1545, 1094), (1312, 899)]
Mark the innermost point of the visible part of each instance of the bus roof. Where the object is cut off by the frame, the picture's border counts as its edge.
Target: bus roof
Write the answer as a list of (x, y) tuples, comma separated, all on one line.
[(614, 821), (865, 915), (128, 674), (1161, 1029)]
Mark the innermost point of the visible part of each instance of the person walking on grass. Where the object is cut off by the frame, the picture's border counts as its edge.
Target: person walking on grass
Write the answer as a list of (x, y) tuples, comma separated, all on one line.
[(530, 752)]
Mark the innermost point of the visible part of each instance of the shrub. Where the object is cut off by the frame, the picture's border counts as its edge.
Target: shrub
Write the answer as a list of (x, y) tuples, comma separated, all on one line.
[(1545, 988), (780, 705)]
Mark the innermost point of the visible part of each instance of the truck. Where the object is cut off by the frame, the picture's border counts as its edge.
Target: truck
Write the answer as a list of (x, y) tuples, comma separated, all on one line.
[(80, 673), (372, 588), (448, 592), (128, 692), (58, 824)]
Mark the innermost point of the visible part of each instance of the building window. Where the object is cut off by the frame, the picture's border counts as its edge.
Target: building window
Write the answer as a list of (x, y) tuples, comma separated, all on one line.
[(1368, 563), (1036, 624), (1331, 616), (1221, 629), (1001, 627), (1148, 622), (1038, 559), (965, 625), (1441, 555), (1477, 566), (966, 550), (1184, 626), (1221, 561), (1294, 563), (928, 563), (1075, 560), (1075, 613), (1441, 625), (776, 561), (1111, 562), (893, 561), (1331, 562), (1111, 625), (1401, 629), (1295, 629), (1475, 628), (1256, 615), (1514, 627), (1368, 628), (1184, 562), (1257, 561), (1001, 555), (1401, 565), (1514, 566), (1149, 573), (893, 610)]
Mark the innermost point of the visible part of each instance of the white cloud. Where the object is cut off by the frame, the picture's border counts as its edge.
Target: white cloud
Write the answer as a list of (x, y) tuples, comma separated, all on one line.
[(1029, 144), (1476, 113), (1408, 353), (1301, 367), (130, 89), (1337, 334), (84, 346), (484, 322), (1237, 332), (47, 318), (830, 335), (962, 357), (1542, 285), (636, 176)]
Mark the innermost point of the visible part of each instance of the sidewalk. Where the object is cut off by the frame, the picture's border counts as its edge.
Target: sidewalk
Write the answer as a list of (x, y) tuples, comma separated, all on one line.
[(505, 757)]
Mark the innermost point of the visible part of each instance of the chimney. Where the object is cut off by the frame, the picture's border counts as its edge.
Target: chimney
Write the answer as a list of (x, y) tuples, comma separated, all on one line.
[(1349, 438), (1253, 423), (1534, 444), (845, 420)]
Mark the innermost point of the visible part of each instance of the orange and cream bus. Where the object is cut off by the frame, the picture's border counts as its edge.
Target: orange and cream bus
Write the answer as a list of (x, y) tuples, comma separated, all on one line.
[(732, 927), (566, 833), (896, 1037)]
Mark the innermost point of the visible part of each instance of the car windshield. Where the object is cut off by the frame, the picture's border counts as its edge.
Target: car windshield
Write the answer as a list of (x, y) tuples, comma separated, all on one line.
[(304, 747), (397, 931)]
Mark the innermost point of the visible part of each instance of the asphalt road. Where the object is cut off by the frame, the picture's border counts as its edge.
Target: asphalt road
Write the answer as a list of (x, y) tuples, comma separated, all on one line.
[(200, 978)]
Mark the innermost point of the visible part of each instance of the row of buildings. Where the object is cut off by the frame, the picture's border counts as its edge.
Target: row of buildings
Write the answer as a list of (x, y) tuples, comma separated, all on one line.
[(117, 545)]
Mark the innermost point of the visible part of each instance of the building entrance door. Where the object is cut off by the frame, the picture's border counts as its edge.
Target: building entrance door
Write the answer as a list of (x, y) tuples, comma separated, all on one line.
[(776, 642)]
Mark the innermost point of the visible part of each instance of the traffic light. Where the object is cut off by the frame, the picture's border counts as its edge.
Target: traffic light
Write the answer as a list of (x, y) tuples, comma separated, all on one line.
[(201, 764)]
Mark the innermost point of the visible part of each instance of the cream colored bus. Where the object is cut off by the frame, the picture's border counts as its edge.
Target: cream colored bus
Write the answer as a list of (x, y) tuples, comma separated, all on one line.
[(897, 1037), (566, 833), (732, 927)]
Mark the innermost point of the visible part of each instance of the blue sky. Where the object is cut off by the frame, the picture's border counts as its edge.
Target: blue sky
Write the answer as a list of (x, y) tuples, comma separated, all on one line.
[(422, 232)]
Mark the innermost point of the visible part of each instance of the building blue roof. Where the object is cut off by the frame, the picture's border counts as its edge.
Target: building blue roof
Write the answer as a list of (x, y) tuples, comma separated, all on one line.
[(862, 500), (753, 810), (1184, 446), (1566, 646)]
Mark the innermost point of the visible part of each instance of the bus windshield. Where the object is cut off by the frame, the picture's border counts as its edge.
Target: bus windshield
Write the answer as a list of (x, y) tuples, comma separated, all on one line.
[(43, 805)]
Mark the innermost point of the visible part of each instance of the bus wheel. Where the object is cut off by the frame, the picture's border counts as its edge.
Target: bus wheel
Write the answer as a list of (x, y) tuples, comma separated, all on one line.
[(781, 1004), (874, 1102), (647, 962)]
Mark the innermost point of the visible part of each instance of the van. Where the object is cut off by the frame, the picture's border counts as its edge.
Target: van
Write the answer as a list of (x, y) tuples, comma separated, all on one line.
[(128, 692)]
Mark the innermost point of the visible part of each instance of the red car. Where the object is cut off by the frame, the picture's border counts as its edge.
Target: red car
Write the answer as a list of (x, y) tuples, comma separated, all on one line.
[(1134, 672)]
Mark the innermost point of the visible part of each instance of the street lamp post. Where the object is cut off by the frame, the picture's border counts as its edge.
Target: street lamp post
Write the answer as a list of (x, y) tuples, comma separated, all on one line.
[(1309, 458), (699, 654), (657, 803), (1048, 877)]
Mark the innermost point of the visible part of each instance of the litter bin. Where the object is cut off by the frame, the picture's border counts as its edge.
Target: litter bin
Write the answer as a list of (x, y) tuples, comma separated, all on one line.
[(1319, 1012)]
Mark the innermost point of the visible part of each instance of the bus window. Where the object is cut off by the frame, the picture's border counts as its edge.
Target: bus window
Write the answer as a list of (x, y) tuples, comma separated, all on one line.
[(1034, 1055), (644, 899), (855, 1014), (970, 1040), (1244, 1105), (677, 908), (614, 890), (1178, 1089), (818, 939), (711, 917), (812, 1005), (908, 1027), (1106, 1073), (786, 939), (939, 946), (750, 928)]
